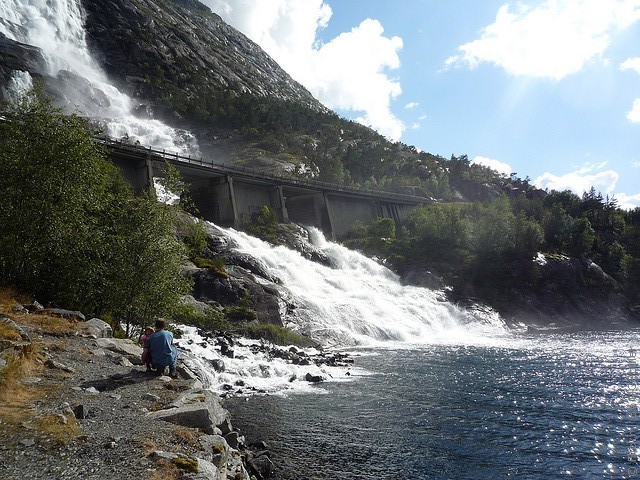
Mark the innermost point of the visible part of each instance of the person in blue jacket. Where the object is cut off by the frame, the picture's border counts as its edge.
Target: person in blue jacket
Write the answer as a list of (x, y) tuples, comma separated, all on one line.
[(163, 353)]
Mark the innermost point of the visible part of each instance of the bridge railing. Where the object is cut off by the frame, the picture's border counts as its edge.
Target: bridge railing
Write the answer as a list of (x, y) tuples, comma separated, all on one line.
[(284, 178)]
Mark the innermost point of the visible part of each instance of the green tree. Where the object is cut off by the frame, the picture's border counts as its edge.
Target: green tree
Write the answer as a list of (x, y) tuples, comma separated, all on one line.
[(54, 185), (72, 232)]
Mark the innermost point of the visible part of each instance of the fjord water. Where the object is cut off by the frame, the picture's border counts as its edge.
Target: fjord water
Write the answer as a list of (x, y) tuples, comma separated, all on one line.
[(558, 406), (436, 391)]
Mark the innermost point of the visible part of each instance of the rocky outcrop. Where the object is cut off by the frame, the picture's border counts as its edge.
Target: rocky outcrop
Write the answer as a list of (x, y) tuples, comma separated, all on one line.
[(16, 56), (575, 291), (147, 46)]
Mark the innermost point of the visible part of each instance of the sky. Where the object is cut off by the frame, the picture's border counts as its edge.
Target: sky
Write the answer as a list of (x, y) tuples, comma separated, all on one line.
[(546, 89)]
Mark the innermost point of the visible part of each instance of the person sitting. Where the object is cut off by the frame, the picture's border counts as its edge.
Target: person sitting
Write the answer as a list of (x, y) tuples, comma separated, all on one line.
[(144, 341), (163, 353)]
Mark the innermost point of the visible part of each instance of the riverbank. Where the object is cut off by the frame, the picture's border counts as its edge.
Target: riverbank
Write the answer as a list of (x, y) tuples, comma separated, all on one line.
[(77, 404)]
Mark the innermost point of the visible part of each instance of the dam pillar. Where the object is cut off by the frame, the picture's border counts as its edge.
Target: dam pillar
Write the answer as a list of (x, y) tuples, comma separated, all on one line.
[(279, 204), (328, 229), (233, 202)]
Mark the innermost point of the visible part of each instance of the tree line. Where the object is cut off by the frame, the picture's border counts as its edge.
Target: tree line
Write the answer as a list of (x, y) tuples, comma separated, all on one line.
[(491, 245)]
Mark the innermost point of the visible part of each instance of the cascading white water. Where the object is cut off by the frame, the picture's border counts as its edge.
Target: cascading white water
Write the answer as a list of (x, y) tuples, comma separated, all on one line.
[(361, 302), (355, 303), (57, 28)]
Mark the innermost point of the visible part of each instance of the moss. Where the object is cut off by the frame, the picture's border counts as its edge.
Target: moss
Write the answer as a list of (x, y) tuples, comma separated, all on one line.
[(187, 464), (216, 265)]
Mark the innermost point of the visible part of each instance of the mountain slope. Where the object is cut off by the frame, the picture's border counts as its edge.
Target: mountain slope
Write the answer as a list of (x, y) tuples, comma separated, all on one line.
[(155, 49)]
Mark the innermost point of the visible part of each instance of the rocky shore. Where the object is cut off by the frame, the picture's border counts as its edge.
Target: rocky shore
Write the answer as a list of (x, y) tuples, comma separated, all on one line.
[(85, 408)]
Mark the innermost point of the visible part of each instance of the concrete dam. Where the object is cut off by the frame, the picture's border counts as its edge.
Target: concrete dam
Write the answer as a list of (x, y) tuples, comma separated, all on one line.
[(230, 195)]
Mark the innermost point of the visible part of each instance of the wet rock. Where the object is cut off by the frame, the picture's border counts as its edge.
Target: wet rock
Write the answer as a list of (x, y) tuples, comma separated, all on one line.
[(234, 439), (309, 377)]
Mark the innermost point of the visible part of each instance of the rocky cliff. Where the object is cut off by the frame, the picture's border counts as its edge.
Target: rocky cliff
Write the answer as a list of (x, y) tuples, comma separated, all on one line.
[(154, 49)]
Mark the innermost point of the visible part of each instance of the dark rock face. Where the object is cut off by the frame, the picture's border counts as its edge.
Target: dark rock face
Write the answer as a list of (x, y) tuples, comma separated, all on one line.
[(19, 56), (145, 45), (572, 292)]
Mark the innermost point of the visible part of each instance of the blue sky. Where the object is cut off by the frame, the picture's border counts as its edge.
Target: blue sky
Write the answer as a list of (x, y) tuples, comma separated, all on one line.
[(549, 89)]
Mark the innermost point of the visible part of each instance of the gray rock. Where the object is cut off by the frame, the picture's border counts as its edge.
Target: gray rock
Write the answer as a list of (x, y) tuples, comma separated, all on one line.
[(58, 366), (196, 409), (261, 466), (124, 361), (95, 328), (61, 312), (234, 439), (313, 378), (92, 391), (123, 346), (151, 397)]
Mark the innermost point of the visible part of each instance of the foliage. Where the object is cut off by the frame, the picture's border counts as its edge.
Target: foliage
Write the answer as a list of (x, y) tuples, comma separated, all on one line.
[(274, 334), (73, 233), (210, 319), (215, 264), (265, 225)]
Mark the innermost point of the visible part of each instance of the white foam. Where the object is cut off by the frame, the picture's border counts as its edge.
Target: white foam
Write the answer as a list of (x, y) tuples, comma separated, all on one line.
[(258, 372)]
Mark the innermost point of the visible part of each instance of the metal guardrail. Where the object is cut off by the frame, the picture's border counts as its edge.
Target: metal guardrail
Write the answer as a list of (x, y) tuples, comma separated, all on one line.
[(142, 151)]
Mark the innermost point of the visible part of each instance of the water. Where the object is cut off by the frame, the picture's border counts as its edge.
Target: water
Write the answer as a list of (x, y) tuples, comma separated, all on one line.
[(57, 28), (436, 391), (561, 406), (357, 301)]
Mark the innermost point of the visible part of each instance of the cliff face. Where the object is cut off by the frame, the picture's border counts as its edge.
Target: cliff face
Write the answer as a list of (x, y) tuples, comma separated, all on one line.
[(158, 48)]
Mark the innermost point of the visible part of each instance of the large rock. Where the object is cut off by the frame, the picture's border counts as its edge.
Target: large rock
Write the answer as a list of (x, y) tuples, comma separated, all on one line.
[(123, 346), (16, 56), (95, 328), (195, 409)]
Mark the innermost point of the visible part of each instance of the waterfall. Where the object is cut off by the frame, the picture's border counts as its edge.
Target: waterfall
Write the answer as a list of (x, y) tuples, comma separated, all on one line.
[(355, 304), (357, 301), (57, 28)]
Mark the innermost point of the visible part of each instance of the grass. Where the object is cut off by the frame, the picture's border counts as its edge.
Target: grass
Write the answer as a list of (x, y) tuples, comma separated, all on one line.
[(17, 398), (7, 332), (186, 436), (166, 470), (275, 334)]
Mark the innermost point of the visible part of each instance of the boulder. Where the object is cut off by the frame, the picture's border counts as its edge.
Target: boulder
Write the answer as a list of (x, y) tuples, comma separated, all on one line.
[(195, 409), (123, 346), (313, 378), (95, 328)]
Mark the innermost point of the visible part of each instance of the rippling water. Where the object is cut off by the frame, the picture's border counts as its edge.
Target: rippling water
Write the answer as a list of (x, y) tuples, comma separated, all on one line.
[(556, 406)]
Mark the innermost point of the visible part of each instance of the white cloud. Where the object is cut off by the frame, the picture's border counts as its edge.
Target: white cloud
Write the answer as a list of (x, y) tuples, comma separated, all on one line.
[(635, 164), (496, 165), (631, 64), (411, 105), (553, 39), (580, 180), (628, 202), (634, 113), (350, 72)]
